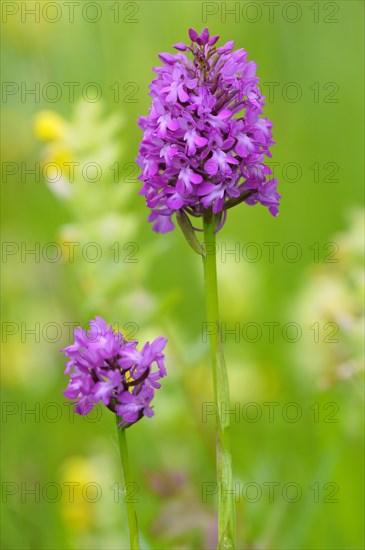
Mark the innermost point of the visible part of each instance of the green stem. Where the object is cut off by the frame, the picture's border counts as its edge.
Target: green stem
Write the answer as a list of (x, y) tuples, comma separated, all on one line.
[(226, 502), (127, 480)]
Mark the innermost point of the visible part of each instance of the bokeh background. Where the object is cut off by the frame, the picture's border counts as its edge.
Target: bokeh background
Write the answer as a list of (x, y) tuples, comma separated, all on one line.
[(296, 392)]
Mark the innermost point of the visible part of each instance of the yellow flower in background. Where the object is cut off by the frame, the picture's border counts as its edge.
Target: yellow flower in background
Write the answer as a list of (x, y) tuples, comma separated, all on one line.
[(58, 159), (81, 150), (49, 126), (60, 155), (78, 510)]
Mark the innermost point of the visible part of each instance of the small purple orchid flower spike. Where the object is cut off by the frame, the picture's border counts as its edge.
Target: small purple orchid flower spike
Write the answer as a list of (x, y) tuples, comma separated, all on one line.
[(104, 367)]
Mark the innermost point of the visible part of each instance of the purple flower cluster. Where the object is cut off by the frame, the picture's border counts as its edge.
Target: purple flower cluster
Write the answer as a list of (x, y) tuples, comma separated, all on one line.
[(197, 152), (105, 367)]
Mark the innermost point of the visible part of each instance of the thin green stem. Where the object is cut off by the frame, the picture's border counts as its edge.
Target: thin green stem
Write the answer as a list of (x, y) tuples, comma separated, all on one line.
[(128, 482), (226, 503)]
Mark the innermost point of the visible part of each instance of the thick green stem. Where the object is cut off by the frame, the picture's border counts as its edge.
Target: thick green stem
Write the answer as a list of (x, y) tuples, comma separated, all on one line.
[(128, 482), (226, 501)]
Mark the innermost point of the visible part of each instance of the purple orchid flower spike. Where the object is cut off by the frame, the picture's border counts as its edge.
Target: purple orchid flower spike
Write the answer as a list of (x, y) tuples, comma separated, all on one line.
[(205, 140), (104, 367)]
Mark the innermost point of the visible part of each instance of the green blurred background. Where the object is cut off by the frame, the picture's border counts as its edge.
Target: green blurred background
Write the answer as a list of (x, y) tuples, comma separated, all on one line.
[(297, 429)]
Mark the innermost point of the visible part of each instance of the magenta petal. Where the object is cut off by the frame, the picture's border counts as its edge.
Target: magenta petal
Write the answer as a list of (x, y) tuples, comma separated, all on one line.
[(205, 188), (193, 35), (191, 84), (250, 70), (147, 411), (205, 35), (226, 48), (167, 57), (213, 40), (175, 201), (195, 178), (231, 160), (183, 96), (173, 125), (225, 113), (211, 167), (180, 46), (200, 141)]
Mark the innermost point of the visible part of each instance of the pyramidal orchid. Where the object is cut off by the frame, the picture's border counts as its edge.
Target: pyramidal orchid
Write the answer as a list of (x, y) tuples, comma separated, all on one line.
[(202, 152), (204, 139), (105, 368)]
